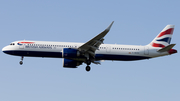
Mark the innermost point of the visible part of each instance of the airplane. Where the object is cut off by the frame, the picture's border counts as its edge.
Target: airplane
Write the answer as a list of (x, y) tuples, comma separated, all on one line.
[(94, 50)]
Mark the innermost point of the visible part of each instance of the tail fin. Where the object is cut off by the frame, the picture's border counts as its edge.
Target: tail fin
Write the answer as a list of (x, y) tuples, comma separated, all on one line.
[(163, 39)]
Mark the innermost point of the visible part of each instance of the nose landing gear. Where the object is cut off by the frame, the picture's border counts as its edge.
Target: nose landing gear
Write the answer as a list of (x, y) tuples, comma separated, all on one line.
[(88, 68), (21, 62)]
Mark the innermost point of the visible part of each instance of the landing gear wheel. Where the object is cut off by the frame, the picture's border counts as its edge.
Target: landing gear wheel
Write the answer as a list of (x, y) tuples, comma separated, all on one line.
[(88, 68), (20, 62)]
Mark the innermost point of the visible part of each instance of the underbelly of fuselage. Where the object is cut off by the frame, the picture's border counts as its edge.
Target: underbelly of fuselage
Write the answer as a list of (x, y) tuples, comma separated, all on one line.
[(59, 55)]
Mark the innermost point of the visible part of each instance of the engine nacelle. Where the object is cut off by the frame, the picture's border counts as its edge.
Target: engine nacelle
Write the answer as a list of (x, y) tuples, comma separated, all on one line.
[(70, 53), (68, 63)]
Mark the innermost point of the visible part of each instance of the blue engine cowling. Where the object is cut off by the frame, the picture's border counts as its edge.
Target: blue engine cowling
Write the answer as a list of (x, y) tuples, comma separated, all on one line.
[(70, 53), (68, 63)]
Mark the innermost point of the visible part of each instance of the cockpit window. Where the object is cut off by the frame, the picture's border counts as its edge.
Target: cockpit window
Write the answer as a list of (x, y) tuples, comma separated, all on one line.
[(12, 44)]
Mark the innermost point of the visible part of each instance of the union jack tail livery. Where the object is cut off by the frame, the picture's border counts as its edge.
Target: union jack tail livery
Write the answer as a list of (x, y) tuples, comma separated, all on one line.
[(163, 39)]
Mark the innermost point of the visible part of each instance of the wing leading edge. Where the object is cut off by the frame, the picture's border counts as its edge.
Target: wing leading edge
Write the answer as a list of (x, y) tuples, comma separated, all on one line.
[(89, 48)]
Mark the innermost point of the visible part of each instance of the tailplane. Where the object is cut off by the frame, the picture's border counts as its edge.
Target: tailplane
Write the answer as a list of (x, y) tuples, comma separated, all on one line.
[(163, 39), (168, 49)]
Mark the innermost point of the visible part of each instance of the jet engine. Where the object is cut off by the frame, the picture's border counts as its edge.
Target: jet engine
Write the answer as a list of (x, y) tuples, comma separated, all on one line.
[(68, 63)]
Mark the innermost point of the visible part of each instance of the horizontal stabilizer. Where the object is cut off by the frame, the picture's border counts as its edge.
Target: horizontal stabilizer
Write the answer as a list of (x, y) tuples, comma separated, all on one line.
[(167, 48)]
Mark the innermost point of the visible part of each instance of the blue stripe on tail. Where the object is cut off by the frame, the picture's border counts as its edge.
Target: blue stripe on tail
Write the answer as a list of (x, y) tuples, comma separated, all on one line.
[(167, 39)]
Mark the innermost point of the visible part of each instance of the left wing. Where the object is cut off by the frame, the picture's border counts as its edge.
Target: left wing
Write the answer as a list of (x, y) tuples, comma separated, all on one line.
[(89, 48)]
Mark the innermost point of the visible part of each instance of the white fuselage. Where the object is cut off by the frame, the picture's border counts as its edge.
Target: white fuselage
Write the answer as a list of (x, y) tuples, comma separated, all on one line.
[(105, 51)]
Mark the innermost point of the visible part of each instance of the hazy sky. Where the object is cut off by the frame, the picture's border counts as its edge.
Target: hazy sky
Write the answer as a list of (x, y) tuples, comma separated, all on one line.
[(137, 22)]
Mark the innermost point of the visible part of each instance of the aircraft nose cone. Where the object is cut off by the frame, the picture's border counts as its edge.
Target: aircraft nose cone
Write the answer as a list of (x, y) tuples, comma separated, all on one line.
[(5, 50)]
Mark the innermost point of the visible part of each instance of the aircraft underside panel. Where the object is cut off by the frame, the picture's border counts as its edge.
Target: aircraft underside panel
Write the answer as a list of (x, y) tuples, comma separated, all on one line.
[(35, 54), (59, 55)]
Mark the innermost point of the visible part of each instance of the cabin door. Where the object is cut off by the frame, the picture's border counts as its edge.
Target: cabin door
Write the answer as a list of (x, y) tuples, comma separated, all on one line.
[(146, 50), (108, 49)]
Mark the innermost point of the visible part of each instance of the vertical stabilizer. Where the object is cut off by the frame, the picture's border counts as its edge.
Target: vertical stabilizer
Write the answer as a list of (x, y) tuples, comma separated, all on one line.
[(163, 39)]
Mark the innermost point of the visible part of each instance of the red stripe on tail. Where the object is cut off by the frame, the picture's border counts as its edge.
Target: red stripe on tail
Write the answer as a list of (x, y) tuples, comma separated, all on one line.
[(157, 45), (169, 31)]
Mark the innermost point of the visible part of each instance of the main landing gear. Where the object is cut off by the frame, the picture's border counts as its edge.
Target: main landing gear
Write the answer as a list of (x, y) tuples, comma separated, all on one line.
[(21, 62), (88, 68)]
